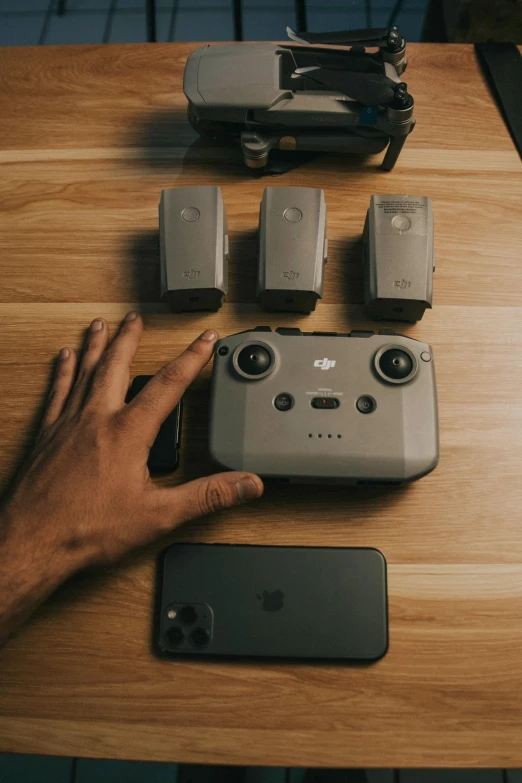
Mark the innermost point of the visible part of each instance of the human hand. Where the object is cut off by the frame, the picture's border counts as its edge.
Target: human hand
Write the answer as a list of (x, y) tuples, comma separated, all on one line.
[(85, 495)]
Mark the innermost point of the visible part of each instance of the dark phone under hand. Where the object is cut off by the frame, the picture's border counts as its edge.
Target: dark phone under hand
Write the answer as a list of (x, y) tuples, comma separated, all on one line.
[(273, 602), (164, 454)]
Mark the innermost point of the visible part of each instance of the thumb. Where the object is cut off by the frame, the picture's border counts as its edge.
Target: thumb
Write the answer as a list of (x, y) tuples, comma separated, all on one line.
[(209, 494)]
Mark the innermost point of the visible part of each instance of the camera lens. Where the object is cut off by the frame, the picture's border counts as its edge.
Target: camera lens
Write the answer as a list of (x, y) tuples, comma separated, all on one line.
[(200, 637), (188, 615), (254, 360), (283, 402), (365, 404), (175, 636)]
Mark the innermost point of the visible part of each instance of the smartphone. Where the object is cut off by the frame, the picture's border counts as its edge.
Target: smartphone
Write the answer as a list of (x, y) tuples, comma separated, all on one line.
[(236, 601), (164, 453)]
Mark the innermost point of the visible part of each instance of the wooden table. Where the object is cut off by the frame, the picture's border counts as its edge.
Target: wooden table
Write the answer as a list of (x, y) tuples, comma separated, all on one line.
[(90, 135)]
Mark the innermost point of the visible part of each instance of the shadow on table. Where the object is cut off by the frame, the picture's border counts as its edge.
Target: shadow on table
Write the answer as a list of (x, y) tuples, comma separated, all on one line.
[(144, 257), (165, 140), (350, 270), (242, 270), (161, 130)]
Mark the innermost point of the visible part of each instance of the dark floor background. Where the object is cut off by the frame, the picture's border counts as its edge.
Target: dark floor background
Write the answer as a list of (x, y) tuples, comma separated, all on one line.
[(29, 22), (42, 769)]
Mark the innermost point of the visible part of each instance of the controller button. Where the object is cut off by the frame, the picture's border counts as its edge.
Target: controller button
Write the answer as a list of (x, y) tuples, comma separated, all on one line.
[(254, 360), (366, 404), (425, 356), (284, 401), (396, 364), (325, 403)]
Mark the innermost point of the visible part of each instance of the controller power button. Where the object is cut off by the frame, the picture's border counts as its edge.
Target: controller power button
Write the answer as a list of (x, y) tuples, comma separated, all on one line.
[(366, 404)]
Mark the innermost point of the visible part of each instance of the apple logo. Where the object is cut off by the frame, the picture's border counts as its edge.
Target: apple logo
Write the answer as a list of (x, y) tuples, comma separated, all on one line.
[(272, 601)]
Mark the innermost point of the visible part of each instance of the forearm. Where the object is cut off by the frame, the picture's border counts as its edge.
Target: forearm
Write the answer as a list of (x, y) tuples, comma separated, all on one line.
[(31, 568)]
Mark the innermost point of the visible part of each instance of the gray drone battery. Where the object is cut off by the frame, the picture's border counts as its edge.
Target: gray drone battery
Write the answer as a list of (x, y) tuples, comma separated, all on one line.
[(399, 258), (193, 248), (292, 248)]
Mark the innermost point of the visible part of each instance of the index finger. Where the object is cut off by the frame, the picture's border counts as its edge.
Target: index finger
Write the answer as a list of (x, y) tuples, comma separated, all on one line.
[(162, 393)]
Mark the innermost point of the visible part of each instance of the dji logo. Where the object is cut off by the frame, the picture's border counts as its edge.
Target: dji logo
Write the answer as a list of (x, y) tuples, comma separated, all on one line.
[(290, 275), (402, 283), (324, 364), (191, 273)]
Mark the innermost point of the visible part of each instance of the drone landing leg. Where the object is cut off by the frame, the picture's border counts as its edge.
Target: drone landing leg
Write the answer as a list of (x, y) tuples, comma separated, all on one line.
[(392, 153)]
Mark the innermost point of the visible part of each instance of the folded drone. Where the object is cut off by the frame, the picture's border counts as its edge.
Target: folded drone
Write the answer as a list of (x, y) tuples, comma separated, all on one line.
[(323, 93)]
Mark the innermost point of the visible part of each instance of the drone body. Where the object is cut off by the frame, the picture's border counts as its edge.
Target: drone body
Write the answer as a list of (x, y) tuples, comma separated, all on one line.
[(304, 97)]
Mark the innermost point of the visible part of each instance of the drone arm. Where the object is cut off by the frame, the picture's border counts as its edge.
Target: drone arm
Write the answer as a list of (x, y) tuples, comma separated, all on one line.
[(383, 37), (366, 88)]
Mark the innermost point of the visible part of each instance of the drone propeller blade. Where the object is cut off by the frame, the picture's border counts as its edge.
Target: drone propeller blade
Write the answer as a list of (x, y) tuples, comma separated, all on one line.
[(370, 37), (307, 69), (370, 89)]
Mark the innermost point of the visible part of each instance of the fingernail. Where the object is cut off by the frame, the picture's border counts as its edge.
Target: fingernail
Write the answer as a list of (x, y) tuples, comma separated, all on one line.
[(64, 353), (247, 490), (130, 317), (210, 335), (96, 325)]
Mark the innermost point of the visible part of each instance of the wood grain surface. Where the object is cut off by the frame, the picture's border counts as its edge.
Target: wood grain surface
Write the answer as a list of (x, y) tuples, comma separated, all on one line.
[(88, 138)]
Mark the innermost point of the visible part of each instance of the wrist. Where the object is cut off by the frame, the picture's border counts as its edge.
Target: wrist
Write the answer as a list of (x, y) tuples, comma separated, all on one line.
[(33, 561), (30, 570), (37, 547)]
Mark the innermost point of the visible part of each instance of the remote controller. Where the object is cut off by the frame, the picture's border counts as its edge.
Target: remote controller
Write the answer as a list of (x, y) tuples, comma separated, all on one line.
[(359, 408)]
